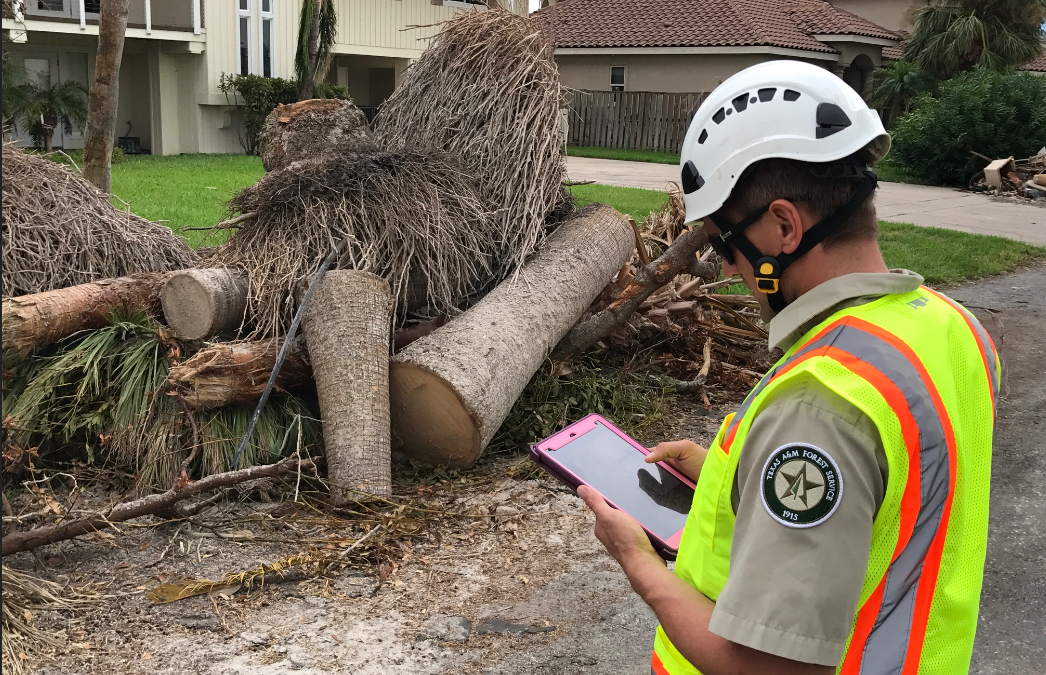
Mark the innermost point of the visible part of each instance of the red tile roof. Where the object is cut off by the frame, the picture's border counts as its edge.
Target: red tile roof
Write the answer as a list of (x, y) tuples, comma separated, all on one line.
[(1037, 64), (701, 23)]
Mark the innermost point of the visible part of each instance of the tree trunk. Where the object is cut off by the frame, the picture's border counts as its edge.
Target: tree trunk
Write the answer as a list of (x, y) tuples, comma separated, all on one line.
[(105, 96), (347, 327), (236, 372), (203, 303), (309, 86), (311, 129), (43, 318), (451, 390)]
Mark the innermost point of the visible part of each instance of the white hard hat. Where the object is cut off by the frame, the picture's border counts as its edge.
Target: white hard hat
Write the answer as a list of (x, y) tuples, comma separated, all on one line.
[(785, 109)]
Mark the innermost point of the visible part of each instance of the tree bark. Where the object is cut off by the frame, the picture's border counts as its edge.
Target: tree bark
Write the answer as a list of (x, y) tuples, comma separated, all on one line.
[(236, 372), (451, 390), (347, 327), (161, 505), (203, 303), (311, 129), (105, 95), (677, 258), (43, 318)]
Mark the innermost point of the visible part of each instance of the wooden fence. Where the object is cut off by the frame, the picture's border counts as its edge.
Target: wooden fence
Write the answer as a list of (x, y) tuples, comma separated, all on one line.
[(638, 120)]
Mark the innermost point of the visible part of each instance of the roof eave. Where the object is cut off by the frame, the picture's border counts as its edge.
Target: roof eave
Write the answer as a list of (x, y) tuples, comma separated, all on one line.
[(861, 39), (737, 49)]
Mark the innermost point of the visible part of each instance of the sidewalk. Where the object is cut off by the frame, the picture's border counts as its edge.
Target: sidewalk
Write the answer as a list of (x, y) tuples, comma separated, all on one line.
[(917, 204)]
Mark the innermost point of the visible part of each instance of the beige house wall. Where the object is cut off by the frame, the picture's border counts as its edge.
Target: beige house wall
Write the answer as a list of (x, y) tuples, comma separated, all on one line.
[(668, 73), (890, 14)]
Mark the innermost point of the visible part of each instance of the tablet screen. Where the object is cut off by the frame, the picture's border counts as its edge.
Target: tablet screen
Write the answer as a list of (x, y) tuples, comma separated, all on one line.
[(647, 492)]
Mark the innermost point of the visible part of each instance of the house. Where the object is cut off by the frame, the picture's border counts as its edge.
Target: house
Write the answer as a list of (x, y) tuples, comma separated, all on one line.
[(177, 50), (693, 45)]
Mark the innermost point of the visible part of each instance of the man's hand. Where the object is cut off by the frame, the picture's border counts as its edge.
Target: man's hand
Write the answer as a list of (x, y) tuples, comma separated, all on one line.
[(623, 537), (685, 456)]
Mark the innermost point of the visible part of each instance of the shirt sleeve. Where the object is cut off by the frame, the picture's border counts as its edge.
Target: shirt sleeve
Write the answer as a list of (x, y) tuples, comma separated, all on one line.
[(793, 587)]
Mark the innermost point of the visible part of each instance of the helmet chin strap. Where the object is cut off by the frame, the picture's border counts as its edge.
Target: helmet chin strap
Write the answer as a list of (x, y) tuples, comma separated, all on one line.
[(768, 269)]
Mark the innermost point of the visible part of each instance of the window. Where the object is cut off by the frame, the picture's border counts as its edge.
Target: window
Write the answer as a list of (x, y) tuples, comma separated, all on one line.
[(256, 40), (51, 5), (92, 6), (617, 78)]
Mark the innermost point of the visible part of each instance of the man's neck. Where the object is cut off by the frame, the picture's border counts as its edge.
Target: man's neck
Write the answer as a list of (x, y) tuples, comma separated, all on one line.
[(819, 266)]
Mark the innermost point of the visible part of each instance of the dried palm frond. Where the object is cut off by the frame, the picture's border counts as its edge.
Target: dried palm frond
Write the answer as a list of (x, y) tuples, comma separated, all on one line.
[(24, 595), (487, 89), (412, 218), (59, 230)]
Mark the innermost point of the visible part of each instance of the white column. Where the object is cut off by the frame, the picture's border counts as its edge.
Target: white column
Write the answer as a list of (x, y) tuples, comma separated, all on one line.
[(148, 16), (196, 28), (83, 16)]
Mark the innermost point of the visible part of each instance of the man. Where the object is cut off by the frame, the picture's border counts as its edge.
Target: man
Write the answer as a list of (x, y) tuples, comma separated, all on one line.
[(840, 518)]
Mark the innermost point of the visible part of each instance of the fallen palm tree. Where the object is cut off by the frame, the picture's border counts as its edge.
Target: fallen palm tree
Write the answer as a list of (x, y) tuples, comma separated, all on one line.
[(59, 231)]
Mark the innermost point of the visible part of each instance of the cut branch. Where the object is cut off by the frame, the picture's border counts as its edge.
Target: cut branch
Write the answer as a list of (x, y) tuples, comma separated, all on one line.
[(159, 505), (677, 258)]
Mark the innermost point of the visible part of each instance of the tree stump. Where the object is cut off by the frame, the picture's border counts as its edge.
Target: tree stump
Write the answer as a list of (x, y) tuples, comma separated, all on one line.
[(311, 129), (203, 303), (451, 390), (347, 328)]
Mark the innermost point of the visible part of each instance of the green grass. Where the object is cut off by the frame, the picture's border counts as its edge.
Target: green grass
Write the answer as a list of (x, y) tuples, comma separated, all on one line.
[(622, 154), (184, 190), (635, 202)]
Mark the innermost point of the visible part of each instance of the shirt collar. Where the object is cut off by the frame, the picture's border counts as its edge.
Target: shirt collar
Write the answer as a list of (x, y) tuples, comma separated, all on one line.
[(798, 317)]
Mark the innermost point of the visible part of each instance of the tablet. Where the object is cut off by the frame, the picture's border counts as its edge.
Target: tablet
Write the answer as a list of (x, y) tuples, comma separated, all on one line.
[(593, 452)]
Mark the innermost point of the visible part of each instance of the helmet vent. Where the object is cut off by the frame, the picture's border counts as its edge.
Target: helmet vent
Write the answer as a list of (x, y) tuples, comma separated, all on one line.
[(767, 94), (791, 95), (831, 119), (740, 102), (703, 137), (692, 180), (719, 116)]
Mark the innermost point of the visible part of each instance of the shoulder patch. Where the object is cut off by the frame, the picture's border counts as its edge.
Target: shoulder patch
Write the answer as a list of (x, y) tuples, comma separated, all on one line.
[(801, 485)]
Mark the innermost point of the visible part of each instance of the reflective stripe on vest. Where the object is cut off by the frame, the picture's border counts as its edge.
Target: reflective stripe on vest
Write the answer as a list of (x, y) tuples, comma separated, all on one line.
[(890, 627)]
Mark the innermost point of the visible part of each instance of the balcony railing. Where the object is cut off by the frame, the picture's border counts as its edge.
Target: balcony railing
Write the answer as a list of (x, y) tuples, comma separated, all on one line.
[(150, 15)]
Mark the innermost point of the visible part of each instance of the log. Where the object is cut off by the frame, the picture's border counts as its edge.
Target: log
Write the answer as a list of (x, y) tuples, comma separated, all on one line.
[(311, 129), (677, 258), (236, 372), (43, 318), (204, 303), (347, 327), (451, 390), (160, 504)]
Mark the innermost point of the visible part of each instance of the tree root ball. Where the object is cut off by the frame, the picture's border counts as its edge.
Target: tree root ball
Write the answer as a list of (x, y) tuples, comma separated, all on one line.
[(311, 129)]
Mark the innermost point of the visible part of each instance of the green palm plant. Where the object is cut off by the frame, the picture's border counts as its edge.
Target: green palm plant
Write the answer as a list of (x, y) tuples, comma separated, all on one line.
[(45, 108), (953, 36), (317, 31), (15, 92), (895, 86)]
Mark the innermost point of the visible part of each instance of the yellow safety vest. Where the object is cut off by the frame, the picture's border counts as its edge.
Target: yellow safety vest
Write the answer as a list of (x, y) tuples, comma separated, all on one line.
[(926, 373)]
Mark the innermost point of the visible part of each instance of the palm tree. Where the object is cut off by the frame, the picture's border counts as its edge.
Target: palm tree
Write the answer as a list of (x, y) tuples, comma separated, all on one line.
[(15, 93), (953, 36), (895, 85), (317, 30), (45, 108)]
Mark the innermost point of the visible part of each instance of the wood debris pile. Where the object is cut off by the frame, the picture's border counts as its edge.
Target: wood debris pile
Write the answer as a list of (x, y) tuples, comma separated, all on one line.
[(1017, 178)]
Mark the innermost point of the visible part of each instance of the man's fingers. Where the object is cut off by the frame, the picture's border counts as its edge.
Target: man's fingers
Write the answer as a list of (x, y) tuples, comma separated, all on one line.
[(669, 450), (592, 498)]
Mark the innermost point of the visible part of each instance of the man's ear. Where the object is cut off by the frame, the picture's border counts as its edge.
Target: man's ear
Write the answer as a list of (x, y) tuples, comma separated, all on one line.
[(789, 222)]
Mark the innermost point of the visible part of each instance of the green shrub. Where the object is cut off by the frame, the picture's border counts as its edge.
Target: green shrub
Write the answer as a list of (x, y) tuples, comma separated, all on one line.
[(995, 114), (260, 95)]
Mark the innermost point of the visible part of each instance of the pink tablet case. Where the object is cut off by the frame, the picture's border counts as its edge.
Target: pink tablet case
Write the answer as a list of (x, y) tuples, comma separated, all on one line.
[(540, 454)]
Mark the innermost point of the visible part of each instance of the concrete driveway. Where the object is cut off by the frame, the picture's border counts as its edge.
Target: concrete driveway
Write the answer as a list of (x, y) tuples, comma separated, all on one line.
[(917, 204)]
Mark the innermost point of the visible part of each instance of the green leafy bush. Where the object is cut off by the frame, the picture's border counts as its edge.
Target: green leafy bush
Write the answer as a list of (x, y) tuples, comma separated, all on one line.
[(995, 114), (259, 95)]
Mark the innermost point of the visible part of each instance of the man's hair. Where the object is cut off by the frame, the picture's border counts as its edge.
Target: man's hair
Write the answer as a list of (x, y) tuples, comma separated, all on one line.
[(799, 182)]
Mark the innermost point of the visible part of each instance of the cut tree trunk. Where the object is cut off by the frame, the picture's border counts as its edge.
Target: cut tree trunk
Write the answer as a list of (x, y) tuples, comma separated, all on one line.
[(105, 94), (43, 318), (452, 389), (347, 327), (203, 303), (236, 372), (311, 129)]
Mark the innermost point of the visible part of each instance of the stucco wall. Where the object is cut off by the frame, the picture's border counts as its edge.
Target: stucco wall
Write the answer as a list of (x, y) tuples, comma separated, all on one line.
[(669, 73), (134, 106), (890, 14)]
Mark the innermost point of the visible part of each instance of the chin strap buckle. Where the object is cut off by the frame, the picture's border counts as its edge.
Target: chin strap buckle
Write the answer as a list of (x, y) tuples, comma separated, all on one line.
[(768, 275)]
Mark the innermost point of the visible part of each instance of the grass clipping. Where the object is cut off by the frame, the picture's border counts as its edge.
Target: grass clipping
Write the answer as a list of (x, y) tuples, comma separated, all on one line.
[(59, 231), (452, 197)]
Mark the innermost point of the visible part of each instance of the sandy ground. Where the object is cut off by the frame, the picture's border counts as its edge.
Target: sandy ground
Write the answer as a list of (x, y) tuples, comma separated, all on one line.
[(525, 555)]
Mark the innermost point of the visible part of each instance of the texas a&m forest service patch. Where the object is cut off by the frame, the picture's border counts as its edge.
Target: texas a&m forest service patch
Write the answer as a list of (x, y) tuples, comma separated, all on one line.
[(802, 485)]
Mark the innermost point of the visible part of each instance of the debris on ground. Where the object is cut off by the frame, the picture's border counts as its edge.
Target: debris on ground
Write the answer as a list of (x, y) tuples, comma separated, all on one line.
[(1013, 178)]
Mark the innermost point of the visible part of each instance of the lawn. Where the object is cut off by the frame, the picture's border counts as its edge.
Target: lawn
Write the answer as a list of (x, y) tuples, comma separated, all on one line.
[(184, 190), (192, 190)]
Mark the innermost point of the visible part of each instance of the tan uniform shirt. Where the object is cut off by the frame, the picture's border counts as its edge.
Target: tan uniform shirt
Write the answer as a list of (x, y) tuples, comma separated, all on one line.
[(793, 591)]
